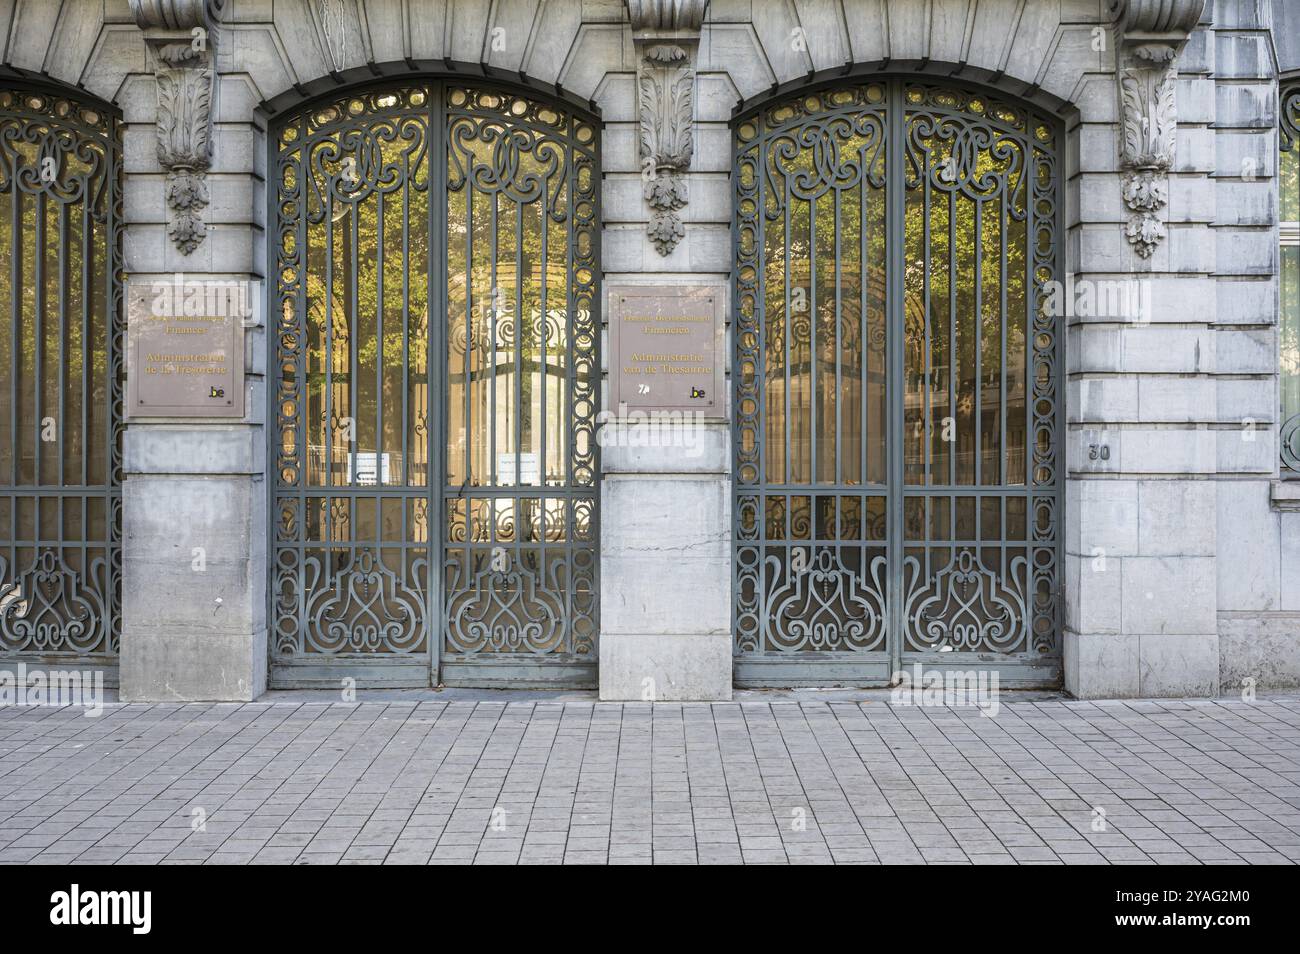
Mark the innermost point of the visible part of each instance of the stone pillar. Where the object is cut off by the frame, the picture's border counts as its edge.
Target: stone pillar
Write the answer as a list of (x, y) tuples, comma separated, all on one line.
[(1259, 626), (194, 501), (1144, 445), (665, 498)]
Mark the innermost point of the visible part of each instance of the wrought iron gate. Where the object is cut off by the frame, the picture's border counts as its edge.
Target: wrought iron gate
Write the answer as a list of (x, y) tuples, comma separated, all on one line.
[(60, 381), (435, 493), (896, 379)]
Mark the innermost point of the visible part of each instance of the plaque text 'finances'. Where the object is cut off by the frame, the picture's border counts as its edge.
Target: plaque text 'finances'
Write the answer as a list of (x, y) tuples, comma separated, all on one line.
[(666, 348)]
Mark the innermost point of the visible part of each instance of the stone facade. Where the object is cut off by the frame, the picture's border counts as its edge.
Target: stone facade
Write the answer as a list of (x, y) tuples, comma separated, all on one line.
[(1181, 567)]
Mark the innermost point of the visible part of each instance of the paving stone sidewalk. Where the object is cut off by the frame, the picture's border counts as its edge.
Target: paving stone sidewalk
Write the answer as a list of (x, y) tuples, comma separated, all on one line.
[(531, 778)]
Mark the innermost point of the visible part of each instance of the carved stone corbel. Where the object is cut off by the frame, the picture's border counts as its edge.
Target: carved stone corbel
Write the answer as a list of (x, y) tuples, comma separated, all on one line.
[(1149, 36), (666, 35), (181, 35)]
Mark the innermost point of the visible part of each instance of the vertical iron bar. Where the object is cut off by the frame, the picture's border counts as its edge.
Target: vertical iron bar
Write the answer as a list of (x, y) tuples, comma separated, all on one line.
[(15, 309), (406, 335), (927, 364), (1028, 364), (788, 476), (864, 361), (839, 351), (760, 361), (470, 339), (1002, 325), (437, 354), (87, 269), (540, 428), (61, 425), (894, 346), (354, 366), (327, 334), (519, 346), (494, 291), (302, 380), (38, 323), (380, 237), (952, 340), (62, 429), (979, 338), (814, 372)]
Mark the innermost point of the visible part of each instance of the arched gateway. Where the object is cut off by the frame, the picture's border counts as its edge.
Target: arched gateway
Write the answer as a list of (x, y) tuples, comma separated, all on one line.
[(896, 375), (61, 346), (435, 352)]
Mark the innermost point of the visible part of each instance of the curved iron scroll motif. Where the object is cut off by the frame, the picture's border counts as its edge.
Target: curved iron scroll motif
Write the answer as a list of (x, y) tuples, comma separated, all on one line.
[(50, 607), (1289, 112), (383, 348), (827, 605), (61, 346), (505, 610), (835, 338), (966, 606), (362, 606)]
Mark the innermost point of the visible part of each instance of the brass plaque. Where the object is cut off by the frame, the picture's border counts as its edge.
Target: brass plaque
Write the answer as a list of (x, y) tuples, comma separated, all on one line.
[(667, 348), (184, 349)]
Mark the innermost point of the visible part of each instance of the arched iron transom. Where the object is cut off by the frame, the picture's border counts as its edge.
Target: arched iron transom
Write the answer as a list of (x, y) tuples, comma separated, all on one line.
[(895, 381), (435, 390), (61, 341)]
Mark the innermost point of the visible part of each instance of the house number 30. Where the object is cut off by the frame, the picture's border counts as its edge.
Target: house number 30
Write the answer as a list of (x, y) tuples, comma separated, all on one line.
[(1098, 452)]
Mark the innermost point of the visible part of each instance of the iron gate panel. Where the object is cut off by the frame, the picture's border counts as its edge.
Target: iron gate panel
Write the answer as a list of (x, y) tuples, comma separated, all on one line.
[(435, 490), (61, 340), (1288, 174), (896, 487)]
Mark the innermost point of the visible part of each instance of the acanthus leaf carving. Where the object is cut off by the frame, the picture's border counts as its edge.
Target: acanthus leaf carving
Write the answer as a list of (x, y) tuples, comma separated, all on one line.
[(1150, 123), (667, 142), (1150, 36), (181, 36), (666, 33)]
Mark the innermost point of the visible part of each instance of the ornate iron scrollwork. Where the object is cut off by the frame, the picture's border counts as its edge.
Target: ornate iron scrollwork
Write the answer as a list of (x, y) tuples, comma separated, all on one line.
[(367, 609), (896, 463), (50, 607), (827, 605), (966, 606), (61, 348), (389, 543), (505, 610), (1289, 176)]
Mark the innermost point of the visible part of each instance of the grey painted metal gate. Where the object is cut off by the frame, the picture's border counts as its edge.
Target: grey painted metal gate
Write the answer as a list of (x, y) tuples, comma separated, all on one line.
[(896, 483), (60, 381), (435, 390)]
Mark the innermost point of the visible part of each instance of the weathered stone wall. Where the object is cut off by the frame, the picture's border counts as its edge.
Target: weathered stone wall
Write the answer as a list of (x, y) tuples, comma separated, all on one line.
[(1177, 560)]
